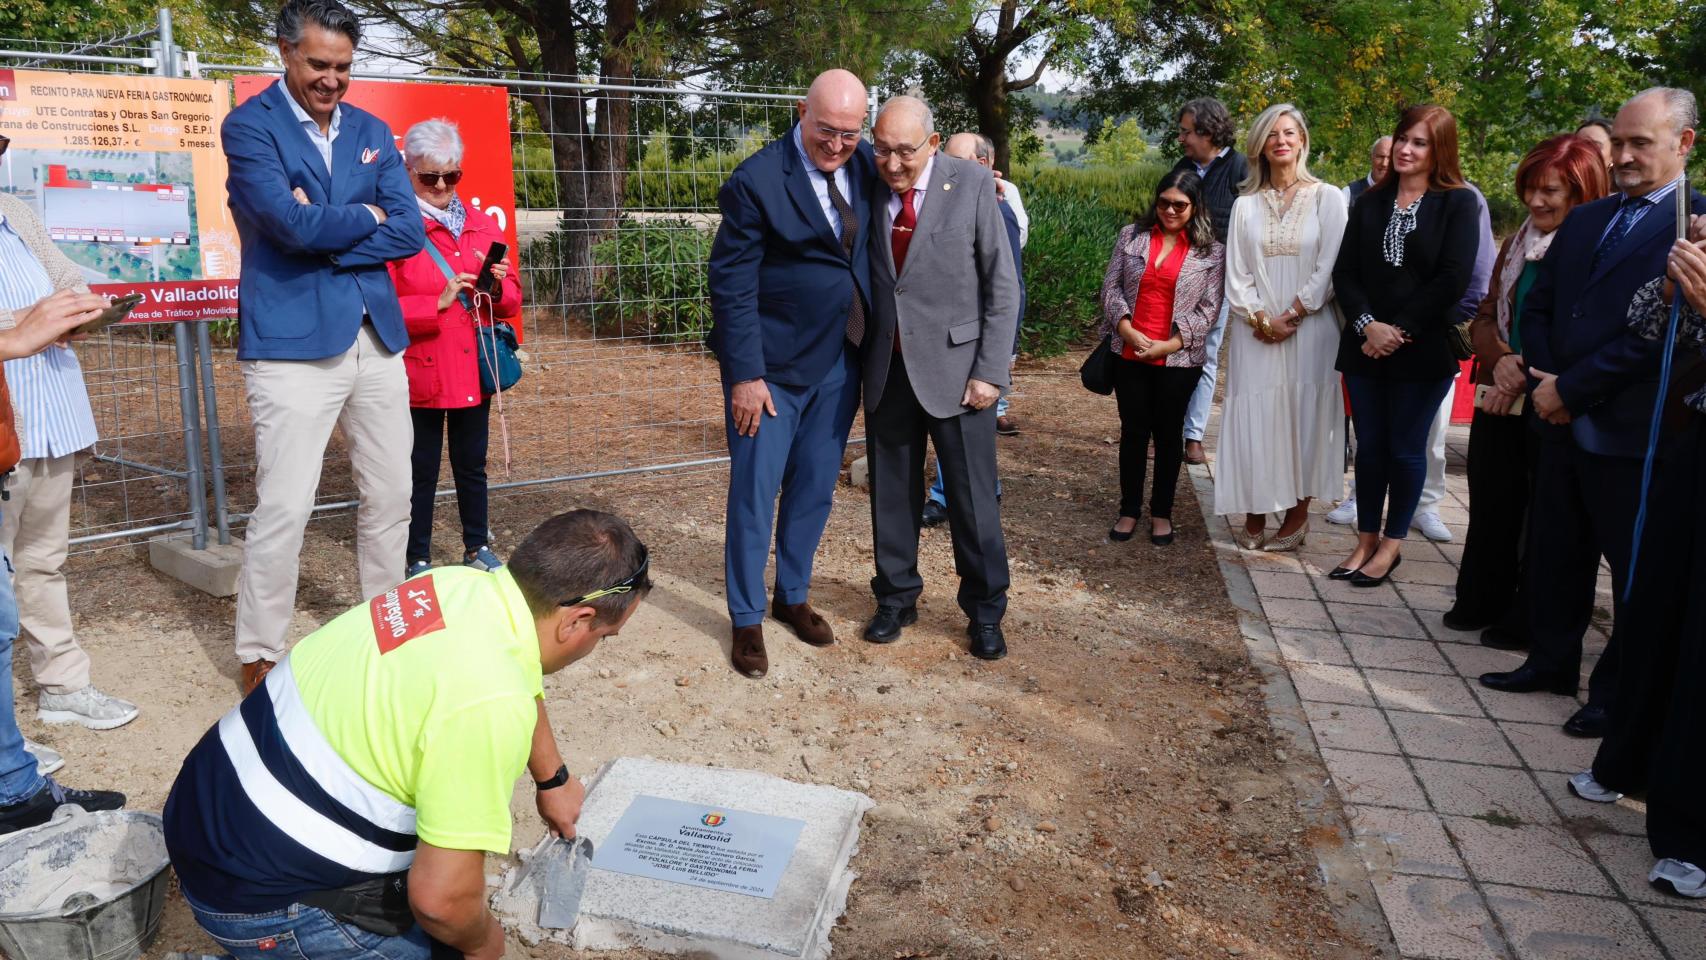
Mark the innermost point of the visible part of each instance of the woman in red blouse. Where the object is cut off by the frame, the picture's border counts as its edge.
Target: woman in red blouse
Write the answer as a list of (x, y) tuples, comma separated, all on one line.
[(1160, 296)]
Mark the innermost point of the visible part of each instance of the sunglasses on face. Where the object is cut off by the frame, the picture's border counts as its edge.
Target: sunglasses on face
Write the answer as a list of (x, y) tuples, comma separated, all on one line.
[(634, 581), (1173, 206), (4, 143), (449, 179)]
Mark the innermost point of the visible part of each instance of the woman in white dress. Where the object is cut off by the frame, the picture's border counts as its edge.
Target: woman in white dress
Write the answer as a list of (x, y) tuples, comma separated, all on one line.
[(1281, 429)]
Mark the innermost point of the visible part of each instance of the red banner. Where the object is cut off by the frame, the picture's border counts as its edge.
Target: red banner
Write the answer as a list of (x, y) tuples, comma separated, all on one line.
[(481, 114)]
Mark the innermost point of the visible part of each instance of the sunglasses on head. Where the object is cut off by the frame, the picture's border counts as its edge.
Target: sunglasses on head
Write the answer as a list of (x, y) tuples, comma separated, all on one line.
[(450, 179), (634, 581)]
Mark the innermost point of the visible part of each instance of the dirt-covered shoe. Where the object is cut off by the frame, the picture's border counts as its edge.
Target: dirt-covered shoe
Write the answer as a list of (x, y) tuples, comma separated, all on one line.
[(87, 707)]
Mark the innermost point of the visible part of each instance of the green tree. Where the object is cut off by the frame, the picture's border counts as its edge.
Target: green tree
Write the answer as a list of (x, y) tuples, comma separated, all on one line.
[(1117, 145)]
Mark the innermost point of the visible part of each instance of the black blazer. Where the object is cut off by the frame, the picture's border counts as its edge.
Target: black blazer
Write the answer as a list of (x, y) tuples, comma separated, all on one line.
[(1575, 323), (1420, 297)]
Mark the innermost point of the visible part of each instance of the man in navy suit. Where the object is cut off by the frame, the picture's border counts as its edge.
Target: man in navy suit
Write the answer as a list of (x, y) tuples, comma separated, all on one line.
[(789, 277), (321, 202), (1594, 385)]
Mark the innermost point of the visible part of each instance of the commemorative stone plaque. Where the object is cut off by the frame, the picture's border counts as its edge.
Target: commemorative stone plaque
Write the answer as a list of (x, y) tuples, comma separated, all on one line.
[(711, 862)]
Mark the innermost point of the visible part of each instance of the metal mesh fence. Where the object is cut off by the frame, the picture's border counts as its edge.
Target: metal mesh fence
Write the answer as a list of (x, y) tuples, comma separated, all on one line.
[(614, 234), (616, 208)]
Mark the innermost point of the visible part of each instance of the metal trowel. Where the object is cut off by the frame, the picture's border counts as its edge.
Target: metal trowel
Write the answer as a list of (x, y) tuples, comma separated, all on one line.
[(562, 880)]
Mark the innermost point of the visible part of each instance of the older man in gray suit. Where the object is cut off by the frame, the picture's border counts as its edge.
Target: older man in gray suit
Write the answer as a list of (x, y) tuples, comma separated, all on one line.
[(944, 302)]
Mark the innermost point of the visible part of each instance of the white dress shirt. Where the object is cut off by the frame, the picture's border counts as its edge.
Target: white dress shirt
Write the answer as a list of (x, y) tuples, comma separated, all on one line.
[(920, 189), (820, 186)]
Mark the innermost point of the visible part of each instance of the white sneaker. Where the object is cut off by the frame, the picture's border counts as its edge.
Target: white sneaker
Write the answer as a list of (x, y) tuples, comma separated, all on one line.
[(1431, 526), (48, 759), (88, 707), (1682, 879), (1345, 512), (1585, 786)]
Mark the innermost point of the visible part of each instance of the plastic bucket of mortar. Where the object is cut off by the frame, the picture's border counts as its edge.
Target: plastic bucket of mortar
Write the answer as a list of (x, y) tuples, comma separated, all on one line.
[(84, 886)]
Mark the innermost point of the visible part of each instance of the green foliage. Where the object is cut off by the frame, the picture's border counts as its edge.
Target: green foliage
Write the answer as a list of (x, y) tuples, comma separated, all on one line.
[(1075, 216), (661, 181), (1117, 145), (651, 278)]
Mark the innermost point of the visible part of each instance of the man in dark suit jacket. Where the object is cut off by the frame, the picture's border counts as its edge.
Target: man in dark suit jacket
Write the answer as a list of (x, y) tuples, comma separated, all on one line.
[(1206, 132), (321, 202), (1594, 385), (789, 282), (944, 305)]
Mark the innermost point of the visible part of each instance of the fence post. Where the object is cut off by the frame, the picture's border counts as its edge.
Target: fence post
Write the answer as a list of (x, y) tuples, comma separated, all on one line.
[(872, 102), (215, 452), (167, 66)]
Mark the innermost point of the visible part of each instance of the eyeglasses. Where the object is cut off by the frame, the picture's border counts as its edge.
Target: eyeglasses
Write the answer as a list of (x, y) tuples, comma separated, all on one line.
[(905, 153), (831, 135), (450, 179), (1173, 206), (634, 581)]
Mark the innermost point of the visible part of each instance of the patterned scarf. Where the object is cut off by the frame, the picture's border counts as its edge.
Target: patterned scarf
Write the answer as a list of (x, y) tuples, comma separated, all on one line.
[(453, 217), (1527, 246)]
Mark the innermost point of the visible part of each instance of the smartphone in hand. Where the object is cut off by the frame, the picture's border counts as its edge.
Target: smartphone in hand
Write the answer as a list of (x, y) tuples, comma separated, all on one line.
[(115, 311), (486, 281)]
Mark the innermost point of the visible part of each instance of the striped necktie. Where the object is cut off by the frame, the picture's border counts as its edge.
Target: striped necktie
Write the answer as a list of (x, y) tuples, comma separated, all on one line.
[(849, 235)]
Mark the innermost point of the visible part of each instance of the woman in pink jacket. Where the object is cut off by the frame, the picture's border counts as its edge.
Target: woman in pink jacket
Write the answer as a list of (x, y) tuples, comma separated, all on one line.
[(443, 360)]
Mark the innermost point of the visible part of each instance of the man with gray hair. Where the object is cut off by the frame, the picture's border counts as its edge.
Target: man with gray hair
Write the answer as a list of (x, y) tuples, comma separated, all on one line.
[(1594, 383), (1379, 161), (943, 312), (321, 204)]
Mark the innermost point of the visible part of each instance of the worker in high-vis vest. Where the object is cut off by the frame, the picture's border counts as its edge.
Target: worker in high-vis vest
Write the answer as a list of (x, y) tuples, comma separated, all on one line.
[(343, 810)]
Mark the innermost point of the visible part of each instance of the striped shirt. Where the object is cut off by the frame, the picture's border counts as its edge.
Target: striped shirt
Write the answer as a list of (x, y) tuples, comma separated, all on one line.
[(54, 417)]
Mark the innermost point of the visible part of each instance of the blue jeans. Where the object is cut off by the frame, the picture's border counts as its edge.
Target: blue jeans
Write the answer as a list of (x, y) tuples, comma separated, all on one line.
[(305, 933), (1196, 414), (19, 780), (1392, 418)]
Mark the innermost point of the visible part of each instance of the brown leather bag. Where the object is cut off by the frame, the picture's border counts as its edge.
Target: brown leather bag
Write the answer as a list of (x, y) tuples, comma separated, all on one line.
[(10, 452)]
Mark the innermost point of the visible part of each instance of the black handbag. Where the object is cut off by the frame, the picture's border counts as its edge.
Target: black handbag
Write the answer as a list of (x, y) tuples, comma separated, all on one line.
[(1457, 337), (1097, 373)]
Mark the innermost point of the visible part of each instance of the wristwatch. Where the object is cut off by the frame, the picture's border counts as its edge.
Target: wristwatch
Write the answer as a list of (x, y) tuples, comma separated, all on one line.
[(557, 779)]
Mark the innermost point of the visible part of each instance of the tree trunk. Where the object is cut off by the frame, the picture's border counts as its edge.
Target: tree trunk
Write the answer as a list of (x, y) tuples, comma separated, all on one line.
[(589, 133), (988, 95)]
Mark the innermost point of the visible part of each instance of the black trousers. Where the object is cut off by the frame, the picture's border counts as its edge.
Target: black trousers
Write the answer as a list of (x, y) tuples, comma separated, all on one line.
[(1152, 401), (896, 434), (1676, 818), (1583, 506), (1503, 451), (469, 429), (1654, 623)]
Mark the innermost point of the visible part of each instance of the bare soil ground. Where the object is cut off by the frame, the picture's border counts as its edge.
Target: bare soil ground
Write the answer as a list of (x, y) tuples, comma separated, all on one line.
[(1111, 789)]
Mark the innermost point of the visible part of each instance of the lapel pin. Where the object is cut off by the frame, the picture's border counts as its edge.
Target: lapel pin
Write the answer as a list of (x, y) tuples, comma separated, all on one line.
[(947, 186), (369, 155)]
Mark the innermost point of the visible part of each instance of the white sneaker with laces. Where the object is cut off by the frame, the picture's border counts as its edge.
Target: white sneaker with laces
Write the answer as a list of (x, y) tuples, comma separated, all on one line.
[(1678, 877), (48, 759), (1431, 526), (1585, 786), (88, 707), (1345, 512)]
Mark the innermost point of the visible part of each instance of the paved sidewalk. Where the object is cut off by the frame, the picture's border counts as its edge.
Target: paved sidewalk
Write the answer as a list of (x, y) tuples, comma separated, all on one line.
[(1455, 794)]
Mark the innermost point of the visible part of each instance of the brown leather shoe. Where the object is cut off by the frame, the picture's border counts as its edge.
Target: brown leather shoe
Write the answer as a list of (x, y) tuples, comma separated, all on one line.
[(748, 655), (254, 673), (806, 622), (1194, 452), (1007, 426)]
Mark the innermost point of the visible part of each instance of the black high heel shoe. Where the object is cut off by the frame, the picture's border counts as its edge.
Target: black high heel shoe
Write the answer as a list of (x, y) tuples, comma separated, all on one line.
[(1360, 579), (1343, 573)]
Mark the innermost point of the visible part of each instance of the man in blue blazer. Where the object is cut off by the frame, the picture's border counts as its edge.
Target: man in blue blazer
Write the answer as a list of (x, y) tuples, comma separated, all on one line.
[(789, 281), (321, 202), (1594, 385)]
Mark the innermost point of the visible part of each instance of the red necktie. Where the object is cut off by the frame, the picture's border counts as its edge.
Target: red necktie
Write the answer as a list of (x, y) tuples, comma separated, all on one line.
[(901, 236)]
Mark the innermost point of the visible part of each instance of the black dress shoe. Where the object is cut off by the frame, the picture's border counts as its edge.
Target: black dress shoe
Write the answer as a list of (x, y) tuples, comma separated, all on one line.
[(1465, 623), (1162, 539), (934, 513), (987, 642), (885, 625), (1526, 679), (1115, 535), (1360, 579), (1588, 722), (1503, 638)]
